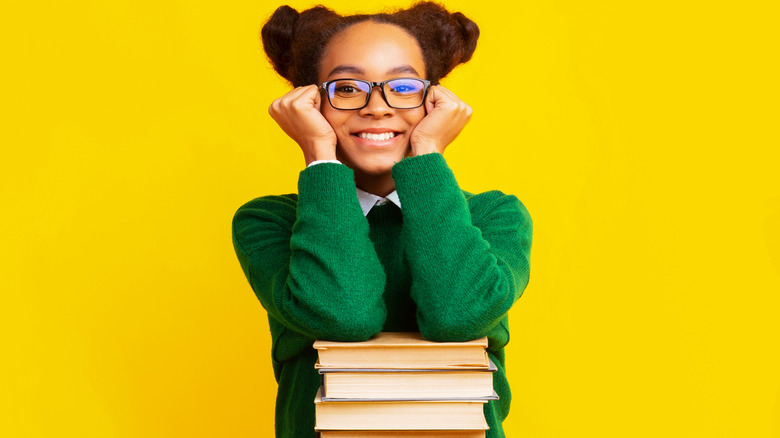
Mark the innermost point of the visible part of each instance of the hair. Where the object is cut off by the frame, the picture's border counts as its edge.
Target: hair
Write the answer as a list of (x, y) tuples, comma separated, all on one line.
[(295, 41)]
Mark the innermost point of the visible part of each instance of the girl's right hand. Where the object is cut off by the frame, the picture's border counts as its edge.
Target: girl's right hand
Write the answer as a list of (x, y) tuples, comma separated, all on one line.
[(298, 114)]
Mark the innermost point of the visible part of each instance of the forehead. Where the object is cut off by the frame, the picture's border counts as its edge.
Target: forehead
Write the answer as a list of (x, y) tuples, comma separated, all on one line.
[(374, 49)]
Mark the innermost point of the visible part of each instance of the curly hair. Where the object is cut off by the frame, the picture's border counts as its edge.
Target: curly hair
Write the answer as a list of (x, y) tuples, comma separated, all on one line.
[(294, 41)]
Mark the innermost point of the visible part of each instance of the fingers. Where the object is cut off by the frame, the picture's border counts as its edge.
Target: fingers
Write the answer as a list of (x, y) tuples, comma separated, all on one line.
[(317, 98), (298, 99), (283, 101), (446, 116), (438, 97), (430, 99)]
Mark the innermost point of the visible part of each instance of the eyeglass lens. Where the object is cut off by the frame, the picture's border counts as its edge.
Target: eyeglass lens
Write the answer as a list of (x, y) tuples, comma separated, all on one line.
[(353, 94)]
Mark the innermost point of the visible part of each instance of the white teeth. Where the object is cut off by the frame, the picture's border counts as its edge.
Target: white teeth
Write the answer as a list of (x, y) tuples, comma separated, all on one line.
[(377, 137)]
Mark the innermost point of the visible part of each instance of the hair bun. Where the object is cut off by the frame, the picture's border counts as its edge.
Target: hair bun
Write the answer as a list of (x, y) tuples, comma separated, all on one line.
[(295, 42), (446, 39), (470, 32), (277, 36)]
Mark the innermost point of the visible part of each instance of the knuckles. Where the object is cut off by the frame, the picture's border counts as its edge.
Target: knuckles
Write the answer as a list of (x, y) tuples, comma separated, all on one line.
[(299, 105)]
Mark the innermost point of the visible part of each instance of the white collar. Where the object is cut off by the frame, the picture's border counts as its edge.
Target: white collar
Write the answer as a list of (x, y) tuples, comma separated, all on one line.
[(369, 200)]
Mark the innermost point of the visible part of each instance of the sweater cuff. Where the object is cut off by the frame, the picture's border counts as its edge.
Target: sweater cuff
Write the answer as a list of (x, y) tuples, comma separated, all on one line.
[(326, 186), (423, 177), (315, 162)]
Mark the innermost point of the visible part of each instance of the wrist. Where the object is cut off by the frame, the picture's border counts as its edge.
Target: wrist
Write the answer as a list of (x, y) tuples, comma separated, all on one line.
[(319, 152), (424, 148)]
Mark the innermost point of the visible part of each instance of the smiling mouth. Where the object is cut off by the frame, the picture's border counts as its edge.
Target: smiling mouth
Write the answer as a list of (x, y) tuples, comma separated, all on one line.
[(375, 137)]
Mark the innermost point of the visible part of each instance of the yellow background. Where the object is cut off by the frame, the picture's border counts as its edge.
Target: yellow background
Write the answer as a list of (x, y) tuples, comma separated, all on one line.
[(642, 137)]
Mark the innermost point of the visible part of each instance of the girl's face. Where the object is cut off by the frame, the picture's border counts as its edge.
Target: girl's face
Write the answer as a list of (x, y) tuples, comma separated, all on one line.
[(374, 52)]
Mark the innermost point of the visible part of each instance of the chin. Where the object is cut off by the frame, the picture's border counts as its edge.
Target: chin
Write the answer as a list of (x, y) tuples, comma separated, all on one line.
[(372, 168), (376, 165)]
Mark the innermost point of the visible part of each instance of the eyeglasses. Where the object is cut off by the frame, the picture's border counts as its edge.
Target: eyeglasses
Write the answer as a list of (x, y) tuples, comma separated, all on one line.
[(354, 94)]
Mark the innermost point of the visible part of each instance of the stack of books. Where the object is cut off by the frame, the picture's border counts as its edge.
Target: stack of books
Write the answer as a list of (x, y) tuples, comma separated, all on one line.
[(401, 385)]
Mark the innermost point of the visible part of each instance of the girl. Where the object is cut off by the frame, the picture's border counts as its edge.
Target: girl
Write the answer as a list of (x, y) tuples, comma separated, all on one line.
[(379, 237)]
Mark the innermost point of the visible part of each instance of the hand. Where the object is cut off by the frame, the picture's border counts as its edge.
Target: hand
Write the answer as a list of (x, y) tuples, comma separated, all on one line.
[(447, 116), (298, 114)]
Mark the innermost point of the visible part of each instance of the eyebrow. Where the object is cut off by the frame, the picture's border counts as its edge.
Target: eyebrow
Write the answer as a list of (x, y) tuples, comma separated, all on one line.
[(405, 68)]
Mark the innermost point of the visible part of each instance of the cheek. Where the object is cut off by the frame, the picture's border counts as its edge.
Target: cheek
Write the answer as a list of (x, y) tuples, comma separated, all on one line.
[(416, 117), (327, 112), (335, 117), (338, 121)]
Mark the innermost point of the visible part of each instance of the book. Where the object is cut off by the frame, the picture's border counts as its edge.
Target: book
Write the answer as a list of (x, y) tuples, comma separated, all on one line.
[(402, 350), (402, 434), (399, 415), (400, 384)]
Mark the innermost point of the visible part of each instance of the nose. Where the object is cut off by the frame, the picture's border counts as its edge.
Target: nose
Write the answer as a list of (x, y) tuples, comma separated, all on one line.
[(377, 107)]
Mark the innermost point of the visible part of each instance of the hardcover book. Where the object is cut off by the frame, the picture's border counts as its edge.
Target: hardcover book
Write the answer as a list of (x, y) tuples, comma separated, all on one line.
[(400, 415), (399, 350), (372, 384)]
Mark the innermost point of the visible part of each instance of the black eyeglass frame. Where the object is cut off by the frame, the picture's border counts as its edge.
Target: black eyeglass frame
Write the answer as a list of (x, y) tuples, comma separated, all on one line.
[(381, 85)]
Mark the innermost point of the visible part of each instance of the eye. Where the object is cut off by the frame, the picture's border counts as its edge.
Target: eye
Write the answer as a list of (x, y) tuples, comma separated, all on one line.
[(346, 89), (405, 87)]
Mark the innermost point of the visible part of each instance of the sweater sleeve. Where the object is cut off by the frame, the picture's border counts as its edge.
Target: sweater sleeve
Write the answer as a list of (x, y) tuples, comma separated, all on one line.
[(469, 260), (313, 267)]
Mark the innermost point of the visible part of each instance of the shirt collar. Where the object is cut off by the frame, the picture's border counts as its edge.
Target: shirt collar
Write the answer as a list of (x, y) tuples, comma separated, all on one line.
[(369, 200)]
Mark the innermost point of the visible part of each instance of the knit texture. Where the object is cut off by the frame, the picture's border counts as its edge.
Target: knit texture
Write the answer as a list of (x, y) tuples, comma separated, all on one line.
[(450, 264)]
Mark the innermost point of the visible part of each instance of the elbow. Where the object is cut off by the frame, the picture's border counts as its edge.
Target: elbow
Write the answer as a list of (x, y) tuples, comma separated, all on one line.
[(451, 334), (355, 330), (465, 320), (352, 326), (444, 329)]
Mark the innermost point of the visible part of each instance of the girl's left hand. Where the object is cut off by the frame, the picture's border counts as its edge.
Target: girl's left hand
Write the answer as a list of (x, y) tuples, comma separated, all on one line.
[(447, 116)]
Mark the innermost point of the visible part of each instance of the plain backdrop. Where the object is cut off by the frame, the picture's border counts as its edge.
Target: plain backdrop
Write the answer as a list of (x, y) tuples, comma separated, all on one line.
[(641, 136)]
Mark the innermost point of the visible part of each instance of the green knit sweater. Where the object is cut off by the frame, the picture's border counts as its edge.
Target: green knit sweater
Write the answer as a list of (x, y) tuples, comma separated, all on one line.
[(449, 264)]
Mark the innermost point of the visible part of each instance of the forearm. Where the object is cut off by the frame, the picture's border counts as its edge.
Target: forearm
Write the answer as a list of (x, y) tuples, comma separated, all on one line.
[(315, 270), (469, 261)]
